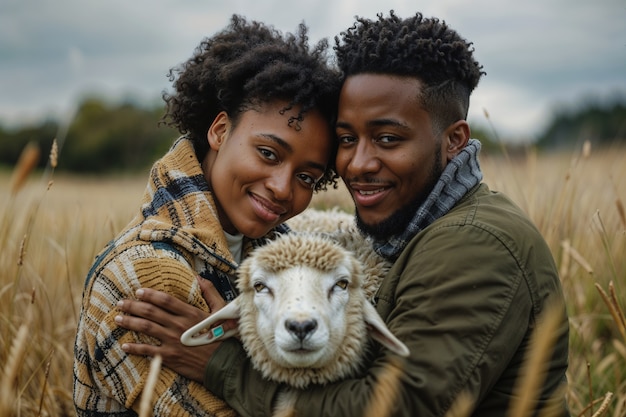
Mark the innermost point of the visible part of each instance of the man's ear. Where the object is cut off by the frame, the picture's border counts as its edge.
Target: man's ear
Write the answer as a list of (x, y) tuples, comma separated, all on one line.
[(455, 138), (218, 131)]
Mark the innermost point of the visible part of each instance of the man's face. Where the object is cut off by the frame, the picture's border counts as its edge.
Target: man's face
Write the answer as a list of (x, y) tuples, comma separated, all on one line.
[(389, 157)]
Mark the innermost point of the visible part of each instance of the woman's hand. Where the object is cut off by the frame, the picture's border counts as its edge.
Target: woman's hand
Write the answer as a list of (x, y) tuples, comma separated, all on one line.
[(165, 318)]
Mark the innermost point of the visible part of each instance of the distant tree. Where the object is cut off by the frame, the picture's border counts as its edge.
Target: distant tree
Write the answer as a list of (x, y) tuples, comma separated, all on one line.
[(486, 137), (492, 143), (101, 138), (12, 142), (105, 137), (122, 137), (601, 124)]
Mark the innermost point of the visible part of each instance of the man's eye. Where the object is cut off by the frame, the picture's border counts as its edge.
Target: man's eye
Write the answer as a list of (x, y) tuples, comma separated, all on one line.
[(346, 139), (387, 139)]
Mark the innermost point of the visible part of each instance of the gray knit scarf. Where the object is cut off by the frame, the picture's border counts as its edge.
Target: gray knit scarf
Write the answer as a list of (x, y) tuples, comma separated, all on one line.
[(460, 175)]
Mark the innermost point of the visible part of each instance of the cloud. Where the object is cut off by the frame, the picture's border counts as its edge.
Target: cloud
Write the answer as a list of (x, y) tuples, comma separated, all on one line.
[(536, 53)]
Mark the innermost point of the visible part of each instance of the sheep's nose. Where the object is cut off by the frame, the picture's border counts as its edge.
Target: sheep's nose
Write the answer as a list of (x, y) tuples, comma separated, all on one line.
[(301, 329)]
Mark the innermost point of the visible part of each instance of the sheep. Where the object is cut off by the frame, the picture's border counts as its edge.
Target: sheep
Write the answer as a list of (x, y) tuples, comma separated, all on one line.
[(323, 221), (340, 226), (304, 306)]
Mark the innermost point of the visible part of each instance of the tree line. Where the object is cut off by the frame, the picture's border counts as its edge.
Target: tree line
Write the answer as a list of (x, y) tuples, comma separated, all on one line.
[(126, 137), (101, 138)]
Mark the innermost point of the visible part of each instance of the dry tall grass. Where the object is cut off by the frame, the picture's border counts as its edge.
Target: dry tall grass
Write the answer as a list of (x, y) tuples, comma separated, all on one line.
[(49, 234)]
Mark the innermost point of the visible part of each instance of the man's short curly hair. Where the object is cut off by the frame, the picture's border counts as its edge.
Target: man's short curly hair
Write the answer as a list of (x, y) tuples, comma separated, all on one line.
[(246, 65), (424, 48)]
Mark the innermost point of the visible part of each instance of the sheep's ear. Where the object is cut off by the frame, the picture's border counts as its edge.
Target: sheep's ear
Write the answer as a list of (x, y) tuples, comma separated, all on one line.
[(202, 333), (378, 331)]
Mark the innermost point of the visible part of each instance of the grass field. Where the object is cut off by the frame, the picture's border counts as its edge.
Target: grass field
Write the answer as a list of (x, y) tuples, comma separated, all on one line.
[(49, 234)]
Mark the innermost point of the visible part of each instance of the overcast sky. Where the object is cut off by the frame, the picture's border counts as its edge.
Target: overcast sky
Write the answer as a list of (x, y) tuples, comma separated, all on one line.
[(538, 54)]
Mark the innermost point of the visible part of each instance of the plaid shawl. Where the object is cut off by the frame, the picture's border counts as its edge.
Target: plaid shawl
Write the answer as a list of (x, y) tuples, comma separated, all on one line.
[(175, 237)]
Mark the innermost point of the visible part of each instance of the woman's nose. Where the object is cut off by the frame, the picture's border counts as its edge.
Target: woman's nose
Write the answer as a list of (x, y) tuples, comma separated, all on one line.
[(281, 184)]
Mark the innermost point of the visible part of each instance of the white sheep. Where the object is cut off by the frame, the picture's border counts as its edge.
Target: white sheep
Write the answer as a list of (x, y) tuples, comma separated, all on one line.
[(304, 307), (340, 226)]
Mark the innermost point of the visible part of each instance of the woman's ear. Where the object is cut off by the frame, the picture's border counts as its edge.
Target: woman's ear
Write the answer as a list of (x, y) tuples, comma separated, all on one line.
[(455, 138), (218, 131)]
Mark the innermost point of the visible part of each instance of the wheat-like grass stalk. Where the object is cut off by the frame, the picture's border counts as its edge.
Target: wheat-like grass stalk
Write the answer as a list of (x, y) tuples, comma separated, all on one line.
[(45, 383), (614, 308), (386, 389), (574, 254), (35, 209), (590, 383), (26, 163), (536, 360), (620, 348), (597, 219), (507, 157), (22, 252), (604, 406), (565, 260), (462, 407), (54, 153), (619, 204), (53, 159), (145, 407), (620, 211), (12, 367), (554, 406), (586, 150)]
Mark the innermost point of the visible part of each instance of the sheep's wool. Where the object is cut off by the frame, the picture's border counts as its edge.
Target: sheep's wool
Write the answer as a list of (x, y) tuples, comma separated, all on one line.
[(341, 227), (322, 253)]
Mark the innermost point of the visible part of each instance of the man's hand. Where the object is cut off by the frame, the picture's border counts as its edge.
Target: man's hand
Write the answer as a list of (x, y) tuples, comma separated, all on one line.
[(165, 318)]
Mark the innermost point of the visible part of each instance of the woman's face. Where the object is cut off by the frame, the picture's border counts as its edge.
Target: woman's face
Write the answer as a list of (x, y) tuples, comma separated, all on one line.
[(263, 171)]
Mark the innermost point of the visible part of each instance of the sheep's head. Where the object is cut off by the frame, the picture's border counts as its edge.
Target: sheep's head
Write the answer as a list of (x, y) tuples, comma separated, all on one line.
[(301, 308), (303, 314)]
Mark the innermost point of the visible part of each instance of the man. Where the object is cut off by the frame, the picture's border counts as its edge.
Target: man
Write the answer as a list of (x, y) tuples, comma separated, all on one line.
[(471, 274)]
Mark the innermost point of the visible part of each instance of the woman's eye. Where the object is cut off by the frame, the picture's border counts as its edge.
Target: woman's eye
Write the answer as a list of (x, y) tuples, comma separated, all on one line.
[(308, 179), (268, 154)]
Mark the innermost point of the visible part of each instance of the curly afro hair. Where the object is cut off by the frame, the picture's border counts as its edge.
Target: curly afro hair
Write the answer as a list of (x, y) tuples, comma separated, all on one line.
[(419, 47), (244, 66)]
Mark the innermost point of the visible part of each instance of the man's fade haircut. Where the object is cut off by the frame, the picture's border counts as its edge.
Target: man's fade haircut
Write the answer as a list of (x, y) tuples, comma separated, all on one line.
[(424, 48), (244, 66)]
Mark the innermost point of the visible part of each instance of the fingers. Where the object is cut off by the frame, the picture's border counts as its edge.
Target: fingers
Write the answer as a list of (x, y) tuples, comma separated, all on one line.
[(162, 300), (147, 327), (145, 310), (162, 308), (210, 294), (186, 361), (229, 325), (140, 349)]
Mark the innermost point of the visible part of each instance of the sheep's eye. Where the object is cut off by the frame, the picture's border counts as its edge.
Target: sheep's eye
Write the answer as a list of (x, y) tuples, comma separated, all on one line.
[(343, 284), (259, 286)]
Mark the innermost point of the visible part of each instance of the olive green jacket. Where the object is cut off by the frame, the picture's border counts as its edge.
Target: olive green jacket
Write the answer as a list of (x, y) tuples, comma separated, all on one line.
[(464, 296)]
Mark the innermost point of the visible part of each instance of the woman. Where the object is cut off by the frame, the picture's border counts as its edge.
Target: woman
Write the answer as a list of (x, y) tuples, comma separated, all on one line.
[(255, 110)]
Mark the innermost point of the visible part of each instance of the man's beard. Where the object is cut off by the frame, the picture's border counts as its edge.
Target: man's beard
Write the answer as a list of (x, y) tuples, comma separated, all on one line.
[(399, 220)]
